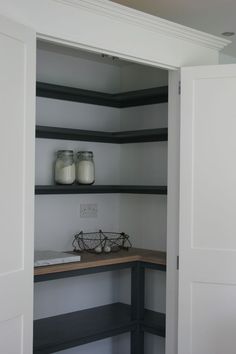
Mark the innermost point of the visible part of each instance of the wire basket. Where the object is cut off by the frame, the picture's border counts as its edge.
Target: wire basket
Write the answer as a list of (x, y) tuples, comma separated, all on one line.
[(101, 242)]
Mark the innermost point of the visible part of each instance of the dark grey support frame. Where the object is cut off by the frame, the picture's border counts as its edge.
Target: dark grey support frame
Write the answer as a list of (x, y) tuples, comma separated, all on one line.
[(137, 307), (140, 320)]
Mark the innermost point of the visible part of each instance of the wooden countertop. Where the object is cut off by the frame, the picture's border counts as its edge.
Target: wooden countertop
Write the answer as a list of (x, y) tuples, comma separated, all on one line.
[(90, 260)]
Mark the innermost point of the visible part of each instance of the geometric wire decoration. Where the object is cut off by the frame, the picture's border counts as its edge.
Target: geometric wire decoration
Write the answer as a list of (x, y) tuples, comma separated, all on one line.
[(101, 242)]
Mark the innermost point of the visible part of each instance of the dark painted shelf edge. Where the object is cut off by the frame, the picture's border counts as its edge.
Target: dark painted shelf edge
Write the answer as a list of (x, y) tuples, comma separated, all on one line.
[(154, 323), (119, 100), (69, 330), (99, 189), (125, 137), (86, 271), (80, 327)]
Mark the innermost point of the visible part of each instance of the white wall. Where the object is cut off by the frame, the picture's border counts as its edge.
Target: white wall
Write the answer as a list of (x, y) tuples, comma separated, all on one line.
[(76, 72), (135, 77), (143, 217)]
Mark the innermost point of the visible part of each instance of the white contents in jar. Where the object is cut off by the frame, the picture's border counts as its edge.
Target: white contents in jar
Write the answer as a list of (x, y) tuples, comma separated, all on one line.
[(85, 173), (98, 249), (64, 174)]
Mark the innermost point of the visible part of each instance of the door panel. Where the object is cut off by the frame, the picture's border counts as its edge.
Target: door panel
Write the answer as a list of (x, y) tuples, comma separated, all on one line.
[(207, 277), (17, 112), (213, 323), (7, 328), (214, 175)]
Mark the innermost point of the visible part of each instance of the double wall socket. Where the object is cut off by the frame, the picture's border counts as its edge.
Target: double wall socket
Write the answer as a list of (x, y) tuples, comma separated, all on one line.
[(88, 210)]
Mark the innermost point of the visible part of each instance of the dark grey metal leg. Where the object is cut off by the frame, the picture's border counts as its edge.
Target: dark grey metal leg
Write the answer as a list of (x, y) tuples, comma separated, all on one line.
[(137, 307), (137, 341)]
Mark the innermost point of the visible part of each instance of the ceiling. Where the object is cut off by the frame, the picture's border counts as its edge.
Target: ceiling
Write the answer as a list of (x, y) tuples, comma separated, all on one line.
[(212, 16)]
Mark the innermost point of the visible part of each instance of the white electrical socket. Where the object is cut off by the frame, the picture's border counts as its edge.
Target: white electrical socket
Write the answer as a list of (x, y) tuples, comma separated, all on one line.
[(88, 210)]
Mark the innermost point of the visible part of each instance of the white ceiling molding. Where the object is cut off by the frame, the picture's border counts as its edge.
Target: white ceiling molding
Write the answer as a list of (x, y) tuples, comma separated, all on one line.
[(152, 23), (97, 50)]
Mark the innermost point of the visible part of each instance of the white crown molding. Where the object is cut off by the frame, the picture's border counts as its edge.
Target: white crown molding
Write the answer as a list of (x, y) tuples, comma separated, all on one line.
[(149, 22)]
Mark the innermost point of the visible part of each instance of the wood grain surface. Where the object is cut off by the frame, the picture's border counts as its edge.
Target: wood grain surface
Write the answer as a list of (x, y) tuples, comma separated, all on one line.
[(90, 260)]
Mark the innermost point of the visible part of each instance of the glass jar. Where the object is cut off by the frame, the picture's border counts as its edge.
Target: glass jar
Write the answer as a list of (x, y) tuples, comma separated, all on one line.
[(85, 169), (65, 167)]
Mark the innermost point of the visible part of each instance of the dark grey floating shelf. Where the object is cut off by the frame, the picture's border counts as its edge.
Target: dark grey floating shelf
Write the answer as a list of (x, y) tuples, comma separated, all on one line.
[(99, 189), (138, 136), (69, 330), (119, 100), (154, 323), (73, 329)]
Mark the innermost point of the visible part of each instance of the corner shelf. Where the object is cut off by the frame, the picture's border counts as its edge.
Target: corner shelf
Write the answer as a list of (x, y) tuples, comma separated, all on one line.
[(99, 189), (91, 263), (72, 329), (118, 100), (137, 136)]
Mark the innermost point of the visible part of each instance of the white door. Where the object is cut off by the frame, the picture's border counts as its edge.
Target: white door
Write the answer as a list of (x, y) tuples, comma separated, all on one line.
[(17, 116), (207, 269)]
